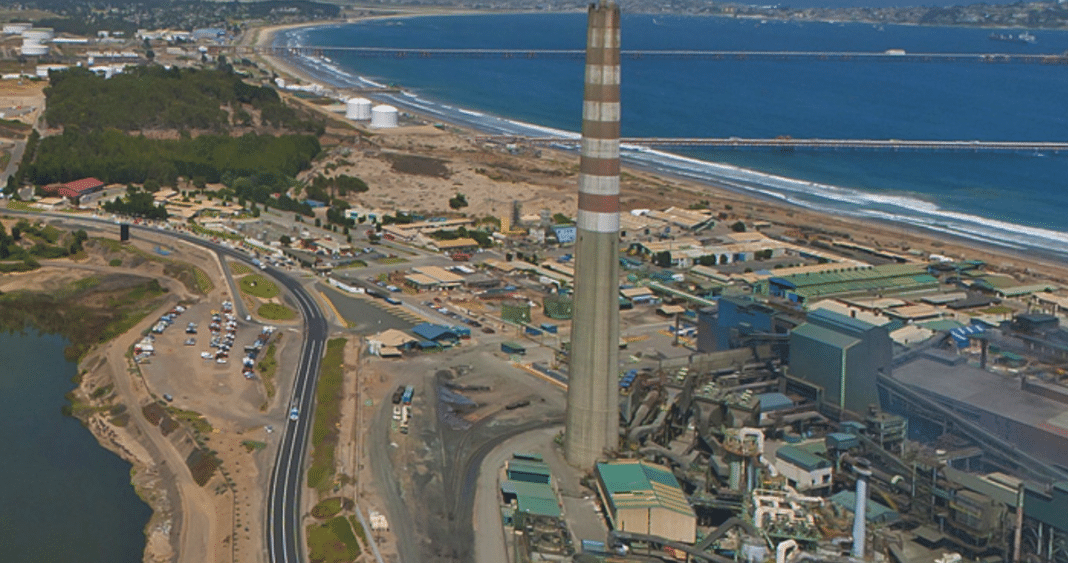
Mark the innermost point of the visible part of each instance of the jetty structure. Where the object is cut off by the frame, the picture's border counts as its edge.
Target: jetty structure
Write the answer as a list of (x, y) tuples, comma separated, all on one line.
[(593, 395)]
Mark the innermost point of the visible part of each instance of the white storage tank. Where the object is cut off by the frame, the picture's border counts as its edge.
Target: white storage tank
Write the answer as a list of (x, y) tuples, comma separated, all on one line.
[(16, 28), (33, 48), (383, 116), (38, 34), (358, 109)]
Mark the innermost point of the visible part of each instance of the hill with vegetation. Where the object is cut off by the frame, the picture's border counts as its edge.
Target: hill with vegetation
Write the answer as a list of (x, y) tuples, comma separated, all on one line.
[(153, 97), (152, 126)]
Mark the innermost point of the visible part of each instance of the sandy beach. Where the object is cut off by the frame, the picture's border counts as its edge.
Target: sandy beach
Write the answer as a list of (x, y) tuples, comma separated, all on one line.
[(519, 179)]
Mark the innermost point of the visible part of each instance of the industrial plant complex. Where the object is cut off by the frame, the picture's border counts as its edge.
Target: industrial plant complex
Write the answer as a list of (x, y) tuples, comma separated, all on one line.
[(715, 387)]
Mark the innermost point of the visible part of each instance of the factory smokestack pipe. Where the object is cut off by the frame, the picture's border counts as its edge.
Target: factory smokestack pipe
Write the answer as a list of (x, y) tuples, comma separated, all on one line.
[(860, 511), (593, 390)]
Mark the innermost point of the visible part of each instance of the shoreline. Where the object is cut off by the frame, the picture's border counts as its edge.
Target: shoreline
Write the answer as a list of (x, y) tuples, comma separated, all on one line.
[(932, 239)]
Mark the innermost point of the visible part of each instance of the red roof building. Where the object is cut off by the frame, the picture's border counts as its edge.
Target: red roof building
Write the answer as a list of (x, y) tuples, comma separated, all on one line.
[(76, 189)]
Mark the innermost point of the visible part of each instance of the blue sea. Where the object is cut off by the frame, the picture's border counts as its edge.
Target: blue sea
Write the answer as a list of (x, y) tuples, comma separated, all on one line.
[(62, 496), (1017, 201)]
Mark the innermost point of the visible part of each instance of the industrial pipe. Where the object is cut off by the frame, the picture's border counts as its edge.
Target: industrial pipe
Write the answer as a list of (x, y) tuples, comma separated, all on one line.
[(860, 510), (782, 549)]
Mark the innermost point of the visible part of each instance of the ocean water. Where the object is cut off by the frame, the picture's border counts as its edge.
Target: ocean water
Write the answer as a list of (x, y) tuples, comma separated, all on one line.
[(62, 496), (1012, 200)]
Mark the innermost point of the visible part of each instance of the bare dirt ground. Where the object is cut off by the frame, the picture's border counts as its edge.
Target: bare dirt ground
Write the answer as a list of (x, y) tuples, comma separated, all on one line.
[(220, 520), (23, 94)]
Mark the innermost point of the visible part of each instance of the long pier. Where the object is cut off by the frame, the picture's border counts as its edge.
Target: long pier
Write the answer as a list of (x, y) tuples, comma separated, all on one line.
[(787, 143), (890, 55)]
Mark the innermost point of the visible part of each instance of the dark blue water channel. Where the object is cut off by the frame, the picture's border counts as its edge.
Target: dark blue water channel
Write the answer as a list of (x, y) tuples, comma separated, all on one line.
[(62, 496)]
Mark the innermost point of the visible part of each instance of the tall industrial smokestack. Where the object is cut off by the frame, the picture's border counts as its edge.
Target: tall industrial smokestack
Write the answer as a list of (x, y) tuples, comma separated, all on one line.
[(593, 393), (860, 511)]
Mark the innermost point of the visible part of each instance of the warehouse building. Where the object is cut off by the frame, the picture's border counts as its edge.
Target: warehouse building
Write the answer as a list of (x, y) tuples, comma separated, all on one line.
[(644, 498), (804, 470), (882, 280)]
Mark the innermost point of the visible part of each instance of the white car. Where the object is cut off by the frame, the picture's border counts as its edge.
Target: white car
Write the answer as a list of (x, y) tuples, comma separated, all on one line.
[(207, 355), (294, 414)]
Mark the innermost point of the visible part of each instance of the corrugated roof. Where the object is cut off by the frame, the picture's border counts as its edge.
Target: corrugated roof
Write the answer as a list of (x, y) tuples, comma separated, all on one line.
[(859, 274), (535, 467), (834, 319), (801, 458), (875, 512), (421, 279), (527, 489), (538, 506), (774, 401), (392, 337), (941, 325), (438, 273), (632, 292), (637, 484), (825, 335), (79, 186), (433, 332)]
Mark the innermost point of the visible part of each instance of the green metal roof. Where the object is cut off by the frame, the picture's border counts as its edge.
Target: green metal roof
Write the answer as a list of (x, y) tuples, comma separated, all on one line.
[(875, 512), (868, 285), (801, 458), (536, 467), (853, 275), (941, 325), (526, 489), (637, 484), (825, 336), (538, 506)]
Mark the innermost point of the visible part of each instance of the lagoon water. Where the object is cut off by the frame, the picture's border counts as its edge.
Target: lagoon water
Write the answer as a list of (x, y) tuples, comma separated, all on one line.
[(1013, 200), (62, 496)]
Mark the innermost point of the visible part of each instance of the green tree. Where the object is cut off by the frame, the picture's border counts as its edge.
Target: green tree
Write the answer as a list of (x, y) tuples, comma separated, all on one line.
[(738, 227), (458, 202)]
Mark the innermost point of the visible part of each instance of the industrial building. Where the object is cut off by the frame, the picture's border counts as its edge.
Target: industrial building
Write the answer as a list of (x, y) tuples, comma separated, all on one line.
[(644, 498), (803, 470), (891, 279), (841, 358)]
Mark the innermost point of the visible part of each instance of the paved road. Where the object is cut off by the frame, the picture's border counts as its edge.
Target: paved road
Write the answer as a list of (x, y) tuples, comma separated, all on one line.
[(284, 543), (13, 164), (283, 504)]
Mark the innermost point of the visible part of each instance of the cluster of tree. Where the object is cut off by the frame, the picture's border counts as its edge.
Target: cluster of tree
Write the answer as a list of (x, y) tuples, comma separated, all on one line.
[(266, 188), (137, 204), (114, 157), (16, 255), (458, 201), (398, 218), (336, 214), (483, 238), (324, 189), (153, 97)]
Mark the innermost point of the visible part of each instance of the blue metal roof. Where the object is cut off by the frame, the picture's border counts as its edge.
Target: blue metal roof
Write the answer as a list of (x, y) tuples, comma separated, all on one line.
[(434, 332)]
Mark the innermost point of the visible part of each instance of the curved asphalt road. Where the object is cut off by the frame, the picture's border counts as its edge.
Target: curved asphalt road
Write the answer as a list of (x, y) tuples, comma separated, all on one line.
[(283, 499)]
